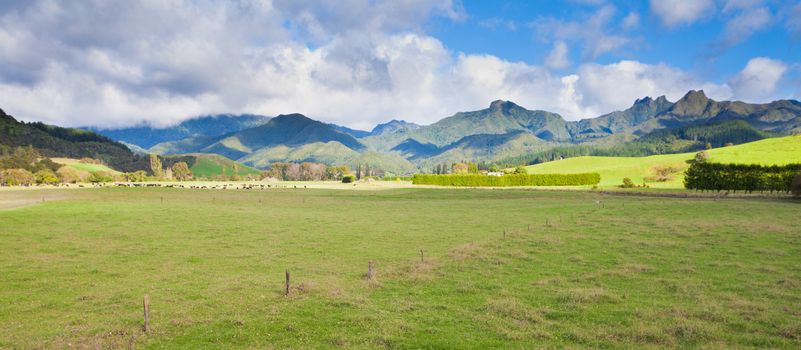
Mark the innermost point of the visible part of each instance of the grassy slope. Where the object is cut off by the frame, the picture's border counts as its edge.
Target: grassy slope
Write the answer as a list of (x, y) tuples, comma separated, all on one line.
[(74, 163), (639, 273), (771, 151), (212, 165)]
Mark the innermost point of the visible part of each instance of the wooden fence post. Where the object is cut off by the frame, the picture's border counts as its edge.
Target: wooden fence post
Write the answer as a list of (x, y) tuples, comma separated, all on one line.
[(421, 255), (370, 274), (286, 287), (146, 304)]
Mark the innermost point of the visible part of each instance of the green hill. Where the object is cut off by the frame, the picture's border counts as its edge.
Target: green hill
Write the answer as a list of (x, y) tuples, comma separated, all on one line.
[(211, 165), (53, 141), (773, 151)]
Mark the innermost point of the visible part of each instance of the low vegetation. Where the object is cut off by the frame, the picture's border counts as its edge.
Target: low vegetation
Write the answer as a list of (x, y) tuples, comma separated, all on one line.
[(507, 180), (740, 177), (773, 151), (505, 268)]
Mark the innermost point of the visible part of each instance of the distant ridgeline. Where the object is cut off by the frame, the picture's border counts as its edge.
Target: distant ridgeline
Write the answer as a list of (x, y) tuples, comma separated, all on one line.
[(504, 134), (663, 141)]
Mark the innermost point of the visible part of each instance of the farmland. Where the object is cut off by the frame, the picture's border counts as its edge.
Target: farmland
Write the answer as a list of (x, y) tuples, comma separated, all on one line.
[(545, 269), (773, 151)]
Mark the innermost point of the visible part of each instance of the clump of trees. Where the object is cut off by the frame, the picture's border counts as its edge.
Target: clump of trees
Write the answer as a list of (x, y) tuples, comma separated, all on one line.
[(71, 175), (181, 171), (306, 171), (707, 176), (16, 177)]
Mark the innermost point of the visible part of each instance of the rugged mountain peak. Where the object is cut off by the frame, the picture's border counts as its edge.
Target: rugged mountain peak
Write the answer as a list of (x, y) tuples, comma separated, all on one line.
[(694, 103), (695, 97), (294, 118), (644, 101), (502, 106), (662, 100), (393, 125), (497, 104)]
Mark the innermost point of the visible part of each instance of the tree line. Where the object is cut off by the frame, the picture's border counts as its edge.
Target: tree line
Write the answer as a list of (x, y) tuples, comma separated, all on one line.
[(507, 180), (706, 176)]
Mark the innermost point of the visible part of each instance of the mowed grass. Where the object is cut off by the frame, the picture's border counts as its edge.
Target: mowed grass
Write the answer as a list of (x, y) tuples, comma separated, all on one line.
[(605, 272), (773, 151)]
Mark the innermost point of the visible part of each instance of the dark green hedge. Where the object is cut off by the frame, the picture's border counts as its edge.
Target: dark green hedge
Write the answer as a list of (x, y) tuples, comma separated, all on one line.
[(507, 180), (740, 177)]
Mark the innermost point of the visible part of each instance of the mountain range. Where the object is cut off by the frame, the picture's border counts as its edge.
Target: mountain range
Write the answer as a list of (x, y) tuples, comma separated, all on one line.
[(502, 131)]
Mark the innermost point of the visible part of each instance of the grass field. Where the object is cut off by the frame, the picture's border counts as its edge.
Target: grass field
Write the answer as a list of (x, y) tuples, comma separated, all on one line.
[(606, 272), (208, 165), (74, 163), (773, 151)]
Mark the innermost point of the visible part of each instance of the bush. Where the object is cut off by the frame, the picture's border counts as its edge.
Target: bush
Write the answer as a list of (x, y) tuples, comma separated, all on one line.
[(795, 188), (627, 183), (701, 156), (740, 177), (101, 176), (16, 177), (507, 180), (71, 175), (521, 170), (346, 179), (136, 176), (46, 177)]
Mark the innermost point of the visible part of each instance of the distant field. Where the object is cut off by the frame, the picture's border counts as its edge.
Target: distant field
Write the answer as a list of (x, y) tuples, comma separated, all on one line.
[(74, 163), (605, 272), (212, 165), (773, 151)]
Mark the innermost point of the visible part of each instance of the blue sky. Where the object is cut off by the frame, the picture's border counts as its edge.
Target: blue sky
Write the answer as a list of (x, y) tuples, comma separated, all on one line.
[(508, 29), (362, 62)]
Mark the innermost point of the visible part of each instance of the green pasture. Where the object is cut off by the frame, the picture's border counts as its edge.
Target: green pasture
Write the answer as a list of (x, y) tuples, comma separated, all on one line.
[(505, 268)]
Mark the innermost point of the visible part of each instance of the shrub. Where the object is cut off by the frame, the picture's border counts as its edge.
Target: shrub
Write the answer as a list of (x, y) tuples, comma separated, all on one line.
[(346, 179), (45, 176), (137, 176), (69, 174), (701, 156), (627, 183), (507, 180), (16, 177), (101, 176), (740, 177), (521, 170), (795, 188)]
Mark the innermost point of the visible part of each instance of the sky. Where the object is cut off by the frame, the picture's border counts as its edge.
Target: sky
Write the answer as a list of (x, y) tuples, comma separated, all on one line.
[(116, 63)]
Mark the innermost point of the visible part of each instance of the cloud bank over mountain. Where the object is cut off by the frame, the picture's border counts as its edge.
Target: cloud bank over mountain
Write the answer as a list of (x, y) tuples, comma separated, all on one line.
[(354, 63)]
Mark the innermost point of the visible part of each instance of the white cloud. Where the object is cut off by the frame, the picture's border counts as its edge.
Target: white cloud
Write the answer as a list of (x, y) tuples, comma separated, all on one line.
[(734, 5), (591, 31), (632, 20), (794, 19), (558, 58), (745, 24), (163, 61), (678, 12), (759, 80)]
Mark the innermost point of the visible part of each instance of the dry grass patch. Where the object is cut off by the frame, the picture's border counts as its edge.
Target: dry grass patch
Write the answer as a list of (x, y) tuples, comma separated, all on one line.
[(591, 295)]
